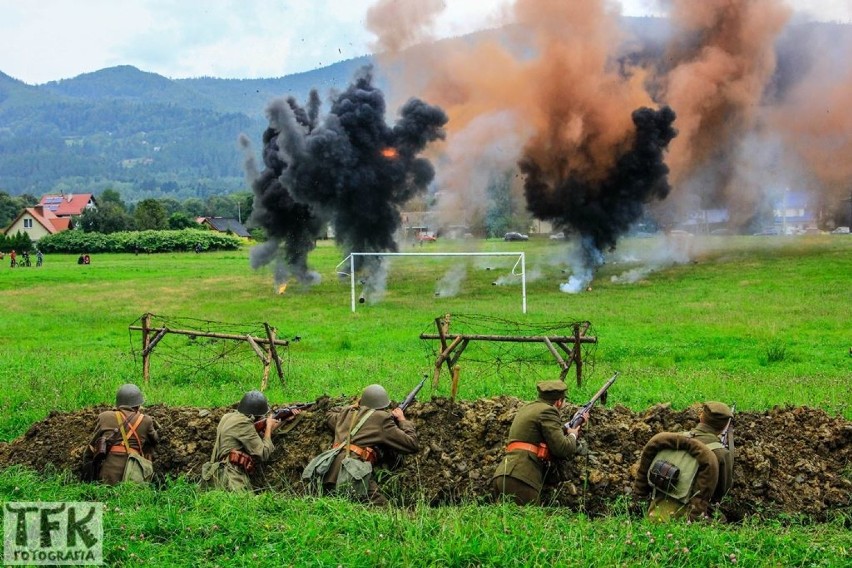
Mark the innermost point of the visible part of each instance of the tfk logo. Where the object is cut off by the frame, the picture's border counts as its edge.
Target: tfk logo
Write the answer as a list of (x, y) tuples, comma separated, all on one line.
[(53, 533)]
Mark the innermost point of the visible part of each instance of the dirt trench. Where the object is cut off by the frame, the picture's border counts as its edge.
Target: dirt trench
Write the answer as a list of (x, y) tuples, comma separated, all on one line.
[(788, 460)]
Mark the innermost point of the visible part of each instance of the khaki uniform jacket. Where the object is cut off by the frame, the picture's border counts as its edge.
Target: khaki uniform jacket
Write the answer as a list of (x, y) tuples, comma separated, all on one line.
[(536, 422), (112, 469), (725, 457), (379, 432), (235, 432)]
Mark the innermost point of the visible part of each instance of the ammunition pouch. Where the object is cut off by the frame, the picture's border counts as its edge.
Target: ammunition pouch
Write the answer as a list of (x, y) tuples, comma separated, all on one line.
[(241, 460)]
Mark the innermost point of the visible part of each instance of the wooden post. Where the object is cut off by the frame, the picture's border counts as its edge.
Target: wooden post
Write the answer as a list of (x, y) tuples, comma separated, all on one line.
[(146, 354), (273, 352), (578, 358), (264, 359), (455, 386)]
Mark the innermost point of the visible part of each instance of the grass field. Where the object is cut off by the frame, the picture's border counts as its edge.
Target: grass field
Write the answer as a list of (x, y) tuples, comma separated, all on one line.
[(760, 321)]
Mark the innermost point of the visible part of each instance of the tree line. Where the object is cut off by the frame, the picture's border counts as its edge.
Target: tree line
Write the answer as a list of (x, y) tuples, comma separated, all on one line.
[(114, 215)]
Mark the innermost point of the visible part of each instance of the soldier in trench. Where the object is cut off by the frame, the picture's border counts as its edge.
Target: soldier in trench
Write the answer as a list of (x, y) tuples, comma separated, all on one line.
[(536, 438), (127, 430), (239, 446)]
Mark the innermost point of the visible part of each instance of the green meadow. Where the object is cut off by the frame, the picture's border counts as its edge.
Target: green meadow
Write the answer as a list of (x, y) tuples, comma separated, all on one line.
[(762, 321)]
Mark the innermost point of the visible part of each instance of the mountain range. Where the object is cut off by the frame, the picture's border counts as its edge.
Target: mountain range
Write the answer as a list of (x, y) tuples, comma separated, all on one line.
[(146, 135)]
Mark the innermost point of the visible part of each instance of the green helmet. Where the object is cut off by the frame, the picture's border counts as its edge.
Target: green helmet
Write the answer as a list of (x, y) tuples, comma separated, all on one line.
[(253, 403), (375, 396), (129, 395)]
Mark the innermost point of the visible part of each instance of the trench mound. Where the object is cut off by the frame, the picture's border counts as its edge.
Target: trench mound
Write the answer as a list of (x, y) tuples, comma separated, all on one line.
[(788, 460)]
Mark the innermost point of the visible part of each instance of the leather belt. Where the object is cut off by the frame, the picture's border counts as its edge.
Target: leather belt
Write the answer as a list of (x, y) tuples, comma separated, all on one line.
[(366, 454), (120, 449), (541, 451)]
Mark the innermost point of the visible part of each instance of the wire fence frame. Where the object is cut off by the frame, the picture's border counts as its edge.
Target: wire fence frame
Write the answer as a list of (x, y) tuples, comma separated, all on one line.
[(520, 262)]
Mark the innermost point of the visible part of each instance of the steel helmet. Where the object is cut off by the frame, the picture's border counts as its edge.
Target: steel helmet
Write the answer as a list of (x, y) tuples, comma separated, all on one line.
[(129, 395), (375, 396), (253, 403)]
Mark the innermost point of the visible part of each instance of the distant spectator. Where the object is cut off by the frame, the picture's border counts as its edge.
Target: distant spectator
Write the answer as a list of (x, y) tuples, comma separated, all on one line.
[(197, 248), (14, 258), (25, 258), (81, 259), (39, 258), (86, 259)]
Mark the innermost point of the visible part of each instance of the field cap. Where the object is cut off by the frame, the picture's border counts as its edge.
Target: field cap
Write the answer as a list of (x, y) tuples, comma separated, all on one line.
[(551, 390), (716, 414)]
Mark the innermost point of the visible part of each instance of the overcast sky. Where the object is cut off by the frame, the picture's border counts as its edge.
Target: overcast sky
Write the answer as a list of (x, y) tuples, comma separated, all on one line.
[(46, 40)]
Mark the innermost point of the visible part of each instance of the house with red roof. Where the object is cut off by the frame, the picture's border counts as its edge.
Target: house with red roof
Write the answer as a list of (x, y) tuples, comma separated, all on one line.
[(38, 222), (68, 205)]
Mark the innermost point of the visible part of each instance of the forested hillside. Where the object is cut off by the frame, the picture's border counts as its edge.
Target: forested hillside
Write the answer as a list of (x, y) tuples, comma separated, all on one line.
[(139, 132), (146, 135)]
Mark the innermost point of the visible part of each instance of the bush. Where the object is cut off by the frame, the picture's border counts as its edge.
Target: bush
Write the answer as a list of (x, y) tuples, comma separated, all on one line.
[(19, 242), (78, 242)]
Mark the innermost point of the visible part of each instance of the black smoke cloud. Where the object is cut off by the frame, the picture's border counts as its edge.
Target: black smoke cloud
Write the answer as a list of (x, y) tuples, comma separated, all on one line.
[(600, 211), (352, 170)]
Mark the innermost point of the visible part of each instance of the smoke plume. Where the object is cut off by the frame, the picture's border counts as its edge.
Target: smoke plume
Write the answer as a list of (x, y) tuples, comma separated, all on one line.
[(352, 170)]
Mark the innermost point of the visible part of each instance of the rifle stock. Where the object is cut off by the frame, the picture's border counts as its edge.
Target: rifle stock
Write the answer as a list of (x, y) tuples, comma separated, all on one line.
[(577, 420), (281, 414)]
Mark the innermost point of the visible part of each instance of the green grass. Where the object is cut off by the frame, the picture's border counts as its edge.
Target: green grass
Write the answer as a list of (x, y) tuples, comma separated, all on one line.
[(762, 322), (219, 529)]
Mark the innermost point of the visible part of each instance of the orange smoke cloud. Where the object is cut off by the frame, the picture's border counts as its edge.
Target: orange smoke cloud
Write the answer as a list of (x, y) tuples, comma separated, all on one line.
[(400, 24), (718, 82), (816, 122), (544, 86)]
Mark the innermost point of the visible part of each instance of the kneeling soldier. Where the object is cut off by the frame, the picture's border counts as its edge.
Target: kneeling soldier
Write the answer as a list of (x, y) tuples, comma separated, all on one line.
[(685, 473), (126, 431), (363, 432), (536, 437), (238, 445)]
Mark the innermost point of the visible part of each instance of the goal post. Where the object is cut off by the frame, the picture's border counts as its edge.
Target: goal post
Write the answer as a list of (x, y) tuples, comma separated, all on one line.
[(520, 263)]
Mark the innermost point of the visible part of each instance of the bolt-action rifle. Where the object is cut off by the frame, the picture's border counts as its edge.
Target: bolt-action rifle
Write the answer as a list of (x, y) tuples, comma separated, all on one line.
[(578, 419), (413, 394), (281, 414), (723, 437)]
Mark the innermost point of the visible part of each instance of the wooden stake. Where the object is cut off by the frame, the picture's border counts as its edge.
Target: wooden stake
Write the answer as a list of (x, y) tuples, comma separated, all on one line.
[(578, 359), (146, 354), (273, 353), (455, 386)]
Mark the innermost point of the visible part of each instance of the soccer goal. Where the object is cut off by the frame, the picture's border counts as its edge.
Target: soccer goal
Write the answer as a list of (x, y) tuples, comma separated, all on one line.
[(520, 265)]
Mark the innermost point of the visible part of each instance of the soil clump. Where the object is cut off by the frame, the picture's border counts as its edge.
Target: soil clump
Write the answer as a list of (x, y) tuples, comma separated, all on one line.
[(793, 460)]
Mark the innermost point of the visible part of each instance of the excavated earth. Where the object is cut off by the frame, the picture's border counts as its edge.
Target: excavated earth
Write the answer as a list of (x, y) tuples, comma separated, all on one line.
[(788, 460)]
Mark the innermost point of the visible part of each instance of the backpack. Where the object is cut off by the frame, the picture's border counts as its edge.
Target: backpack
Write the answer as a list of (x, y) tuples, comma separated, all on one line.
[(673, 471), (318, 467), (138, 468)]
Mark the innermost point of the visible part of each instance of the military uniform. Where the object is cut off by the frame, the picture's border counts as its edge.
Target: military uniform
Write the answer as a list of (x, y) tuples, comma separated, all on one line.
[(715, 474), (140, 430), (145, 438), (535, 438), (377, 436), (235, 433)]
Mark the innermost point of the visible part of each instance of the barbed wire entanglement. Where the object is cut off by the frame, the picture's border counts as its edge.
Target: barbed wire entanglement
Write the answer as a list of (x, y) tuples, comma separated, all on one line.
[(502, 365), (205, 351)]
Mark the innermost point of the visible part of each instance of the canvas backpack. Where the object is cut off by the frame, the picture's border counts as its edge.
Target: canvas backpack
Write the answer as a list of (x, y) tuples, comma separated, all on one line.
[(138, 468), (318, 467), (673, 472)]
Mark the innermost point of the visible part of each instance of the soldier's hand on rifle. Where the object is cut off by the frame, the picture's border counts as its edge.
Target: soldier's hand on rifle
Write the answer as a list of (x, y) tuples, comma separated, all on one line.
[(574, 431), (272, 425), (293, 413), (398, 414)]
